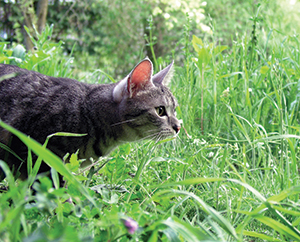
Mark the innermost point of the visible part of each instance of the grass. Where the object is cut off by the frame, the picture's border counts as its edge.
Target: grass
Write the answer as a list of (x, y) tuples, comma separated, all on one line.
[(232, 176)]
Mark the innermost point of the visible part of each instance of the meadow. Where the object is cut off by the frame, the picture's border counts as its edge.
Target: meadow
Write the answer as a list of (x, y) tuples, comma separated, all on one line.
[(232, 174)]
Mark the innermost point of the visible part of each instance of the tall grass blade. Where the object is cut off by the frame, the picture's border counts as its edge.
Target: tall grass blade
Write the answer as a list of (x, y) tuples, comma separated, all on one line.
[(224, 223), (188, 232), (51, 159)]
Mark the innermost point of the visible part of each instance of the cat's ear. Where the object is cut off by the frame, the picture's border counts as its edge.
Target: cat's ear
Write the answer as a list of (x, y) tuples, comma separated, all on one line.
[(138, 79), (164, 76)]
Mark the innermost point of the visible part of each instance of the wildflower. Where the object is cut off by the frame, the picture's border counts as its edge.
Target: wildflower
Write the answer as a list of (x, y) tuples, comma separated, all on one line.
[(210, 154), (225, 93), (199, 142), (130, 224)]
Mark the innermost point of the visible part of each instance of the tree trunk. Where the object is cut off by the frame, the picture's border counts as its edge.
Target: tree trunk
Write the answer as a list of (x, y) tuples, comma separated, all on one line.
[(42, 10), (29, 21)]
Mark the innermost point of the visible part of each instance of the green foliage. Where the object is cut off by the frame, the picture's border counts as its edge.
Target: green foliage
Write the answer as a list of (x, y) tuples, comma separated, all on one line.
[(105, 33), (47, 57), (231, 175)]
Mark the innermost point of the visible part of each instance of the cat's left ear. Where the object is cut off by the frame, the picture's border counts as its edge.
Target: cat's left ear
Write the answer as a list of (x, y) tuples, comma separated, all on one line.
[(164, 76), (138, 79)]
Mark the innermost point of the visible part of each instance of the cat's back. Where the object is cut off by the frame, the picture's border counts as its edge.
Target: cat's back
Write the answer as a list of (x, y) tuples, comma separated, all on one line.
[(15, 80), (28, 97), (40, 105), (20, 86)]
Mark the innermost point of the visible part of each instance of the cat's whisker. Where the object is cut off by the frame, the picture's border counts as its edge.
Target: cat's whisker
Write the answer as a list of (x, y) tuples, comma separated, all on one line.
[(155, 137), (148, 137), (152, 136), (151, 131), (158, 139), (123, 122)]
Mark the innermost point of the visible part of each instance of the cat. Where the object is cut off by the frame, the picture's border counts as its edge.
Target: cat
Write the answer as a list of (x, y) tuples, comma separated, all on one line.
[(138, 107)]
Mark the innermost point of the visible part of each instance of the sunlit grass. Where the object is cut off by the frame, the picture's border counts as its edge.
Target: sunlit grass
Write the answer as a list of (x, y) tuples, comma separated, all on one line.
[(232, 176)]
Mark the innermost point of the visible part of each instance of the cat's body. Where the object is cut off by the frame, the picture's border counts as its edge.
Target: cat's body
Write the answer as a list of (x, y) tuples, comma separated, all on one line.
[(137, 107)]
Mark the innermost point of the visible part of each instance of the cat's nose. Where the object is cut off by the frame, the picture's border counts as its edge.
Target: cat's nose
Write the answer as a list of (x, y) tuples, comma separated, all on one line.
[(177, 128)]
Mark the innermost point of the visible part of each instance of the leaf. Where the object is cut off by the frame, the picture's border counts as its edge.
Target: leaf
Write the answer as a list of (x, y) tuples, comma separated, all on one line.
[(203, 58), (8, 174), (107, 75), (154, 236), (230, 75), (196, 42), (74, 163), (250, 188), (3, 58), (12, 214), (193, 181), (284, 230), (50, 158), (8, 76), (264, 70), (223, 222), (171, 235), (218, 49), (188, 232), (260, 236), (55, 178), (284, 194)]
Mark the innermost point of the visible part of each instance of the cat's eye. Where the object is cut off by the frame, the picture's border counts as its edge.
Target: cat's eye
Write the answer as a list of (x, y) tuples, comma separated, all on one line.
[(161, 111)]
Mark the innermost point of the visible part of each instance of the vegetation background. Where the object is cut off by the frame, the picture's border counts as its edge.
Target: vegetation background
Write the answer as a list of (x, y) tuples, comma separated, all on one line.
[(233, 172)]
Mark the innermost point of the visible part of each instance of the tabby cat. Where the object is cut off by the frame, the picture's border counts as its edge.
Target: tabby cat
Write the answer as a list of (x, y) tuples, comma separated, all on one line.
[(138, 107)]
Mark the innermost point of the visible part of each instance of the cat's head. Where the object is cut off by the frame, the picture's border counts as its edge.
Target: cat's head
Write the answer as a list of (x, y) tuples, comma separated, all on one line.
[(146, 105)]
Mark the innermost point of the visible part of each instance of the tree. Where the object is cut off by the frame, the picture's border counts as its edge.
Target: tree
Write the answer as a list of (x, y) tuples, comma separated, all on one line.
[(32, 19), (109, 34)]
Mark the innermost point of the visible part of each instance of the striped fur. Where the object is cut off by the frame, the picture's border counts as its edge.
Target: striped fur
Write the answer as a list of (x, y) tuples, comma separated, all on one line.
[(138, 107)]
